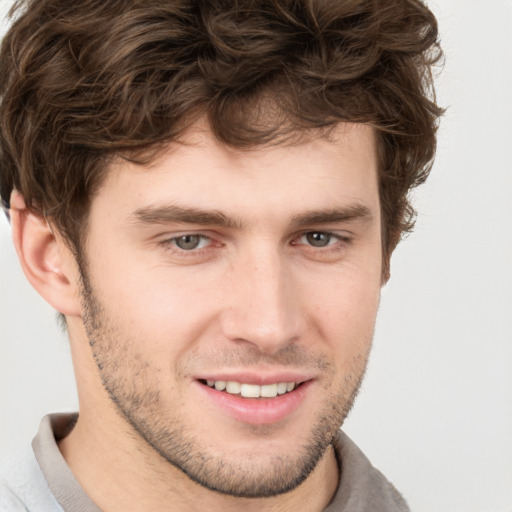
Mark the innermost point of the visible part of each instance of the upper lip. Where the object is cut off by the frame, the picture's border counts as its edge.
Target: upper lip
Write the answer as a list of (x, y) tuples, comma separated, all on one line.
[(259, 378)]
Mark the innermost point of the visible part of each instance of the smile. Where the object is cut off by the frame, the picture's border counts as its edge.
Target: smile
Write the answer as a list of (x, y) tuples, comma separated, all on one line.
[(252, 390), (256, 404)]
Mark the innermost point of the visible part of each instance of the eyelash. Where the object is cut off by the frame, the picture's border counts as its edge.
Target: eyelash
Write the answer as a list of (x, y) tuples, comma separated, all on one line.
[(340, 242), (202, 238), (333, 237)]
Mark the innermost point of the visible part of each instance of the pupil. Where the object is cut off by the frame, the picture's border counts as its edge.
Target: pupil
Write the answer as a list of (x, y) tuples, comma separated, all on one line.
[(318, 239), (188, 242)]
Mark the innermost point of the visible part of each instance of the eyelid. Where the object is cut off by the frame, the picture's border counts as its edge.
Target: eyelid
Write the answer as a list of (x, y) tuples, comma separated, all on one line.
[(340, 237), (202, 238), (340, 241), (177, 236)]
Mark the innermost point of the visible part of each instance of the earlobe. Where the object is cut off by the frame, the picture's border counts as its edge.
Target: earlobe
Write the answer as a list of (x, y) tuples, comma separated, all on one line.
[(44, 258)]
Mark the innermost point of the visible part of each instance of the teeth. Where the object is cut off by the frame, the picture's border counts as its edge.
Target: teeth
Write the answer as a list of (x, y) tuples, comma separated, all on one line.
[(269, 391), (220, 385), (233, 387), (252, 390), (281, 388)]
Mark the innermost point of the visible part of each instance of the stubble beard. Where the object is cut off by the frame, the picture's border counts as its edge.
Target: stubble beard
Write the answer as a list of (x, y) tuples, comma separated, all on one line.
[(133, 389)]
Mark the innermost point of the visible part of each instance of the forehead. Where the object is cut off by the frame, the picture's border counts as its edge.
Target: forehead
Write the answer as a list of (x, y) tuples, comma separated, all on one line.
[(317, 171)]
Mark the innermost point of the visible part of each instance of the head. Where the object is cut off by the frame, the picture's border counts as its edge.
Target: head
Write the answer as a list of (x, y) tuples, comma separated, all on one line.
[(326, 110)]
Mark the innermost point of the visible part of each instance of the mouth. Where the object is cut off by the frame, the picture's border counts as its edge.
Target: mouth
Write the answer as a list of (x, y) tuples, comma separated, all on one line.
[(247, 390), (256, 404)]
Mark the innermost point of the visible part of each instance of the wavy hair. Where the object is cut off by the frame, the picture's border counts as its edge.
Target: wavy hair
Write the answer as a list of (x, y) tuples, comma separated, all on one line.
[(87, 80)]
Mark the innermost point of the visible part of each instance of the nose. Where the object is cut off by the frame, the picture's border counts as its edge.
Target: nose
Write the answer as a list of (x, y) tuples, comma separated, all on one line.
[(264, 307)]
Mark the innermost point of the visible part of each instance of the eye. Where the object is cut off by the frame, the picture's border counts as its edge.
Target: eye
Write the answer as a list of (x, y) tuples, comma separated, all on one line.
[(190, 242), (318, 239)]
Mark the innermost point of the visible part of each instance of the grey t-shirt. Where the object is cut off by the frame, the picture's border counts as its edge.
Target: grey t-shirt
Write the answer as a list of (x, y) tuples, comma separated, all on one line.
[(40, 480)]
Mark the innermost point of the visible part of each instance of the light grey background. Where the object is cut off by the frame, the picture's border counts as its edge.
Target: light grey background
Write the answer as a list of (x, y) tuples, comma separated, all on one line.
[(435, 412)]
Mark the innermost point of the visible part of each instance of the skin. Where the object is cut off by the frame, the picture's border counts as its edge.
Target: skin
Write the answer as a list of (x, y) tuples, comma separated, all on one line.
[(259, 297)]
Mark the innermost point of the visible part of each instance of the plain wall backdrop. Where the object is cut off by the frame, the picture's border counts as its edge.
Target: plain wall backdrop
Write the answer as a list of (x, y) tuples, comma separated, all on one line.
[(435, 410)]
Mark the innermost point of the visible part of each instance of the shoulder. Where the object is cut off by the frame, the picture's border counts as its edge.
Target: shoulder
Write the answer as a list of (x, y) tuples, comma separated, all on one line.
[(362, 487), (23, 486), (9, 502)]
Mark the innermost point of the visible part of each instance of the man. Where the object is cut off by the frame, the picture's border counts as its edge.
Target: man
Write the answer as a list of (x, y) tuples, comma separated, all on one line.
[(209, 193)]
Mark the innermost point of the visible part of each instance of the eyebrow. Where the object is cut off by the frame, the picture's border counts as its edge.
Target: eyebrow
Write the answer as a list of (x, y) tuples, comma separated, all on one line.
[(168, 214), (355, 212), (187, 215)]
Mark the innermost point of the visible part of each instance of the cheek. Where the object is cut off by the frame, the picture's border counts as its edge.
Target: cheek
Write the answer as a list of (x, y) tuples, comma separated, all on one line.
[(164, 309), (346, 310)]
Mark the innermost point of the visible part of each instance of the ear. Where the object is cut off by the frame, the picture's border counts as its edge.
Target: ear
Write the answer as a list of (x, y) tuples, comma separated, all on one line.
[(46, 260)]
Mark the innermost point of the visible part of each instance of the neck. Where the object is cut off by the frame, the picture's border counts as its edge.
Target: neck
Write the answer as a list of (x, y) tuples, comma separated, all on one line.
[(126, 474)]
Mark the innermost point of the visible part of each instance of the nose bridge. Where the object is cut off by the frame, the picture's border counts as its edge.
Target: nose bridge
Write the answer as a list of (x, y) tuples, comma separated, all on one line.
[(264, 309)]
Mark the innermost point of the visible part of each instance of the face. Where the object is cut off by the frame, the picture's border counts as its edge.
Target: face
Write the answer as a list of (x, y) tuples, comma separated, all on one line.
[(229, 302)]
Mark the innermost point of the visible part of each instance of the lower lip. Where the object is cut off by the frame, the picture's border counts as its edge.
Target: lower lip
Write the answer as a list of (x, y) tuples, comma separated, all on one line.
[(257, 411)]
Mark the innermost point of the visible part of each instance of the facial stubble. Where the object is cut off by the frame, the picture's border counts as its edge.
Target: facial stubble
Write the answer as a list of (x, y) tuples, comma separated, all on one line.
[(133, 388)]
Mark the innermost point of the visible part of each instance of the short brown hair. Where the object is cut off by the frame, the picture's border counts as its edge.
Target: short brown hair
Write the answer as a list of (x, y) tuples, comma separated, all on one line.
[(86, 80)]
